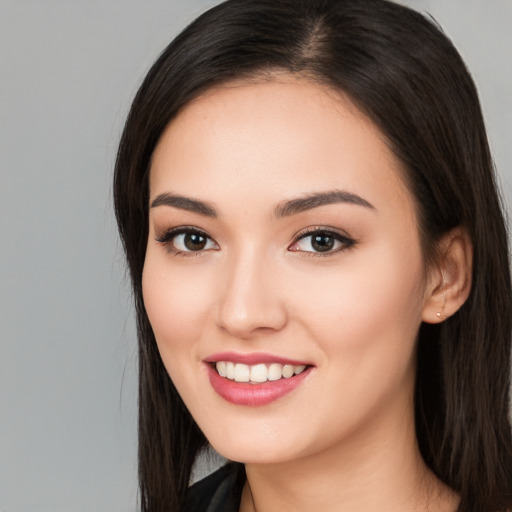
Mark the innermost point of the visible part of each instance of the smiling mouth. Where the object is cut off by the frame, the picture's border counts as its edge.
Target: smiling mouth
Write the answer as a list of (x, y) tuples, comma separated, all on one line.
[(255, 379), (258, 373)]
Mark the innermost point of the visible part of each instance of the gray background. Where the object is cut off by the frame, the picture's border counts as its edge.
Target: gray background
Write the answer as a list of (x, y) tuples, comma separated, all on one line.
[(68, 70)]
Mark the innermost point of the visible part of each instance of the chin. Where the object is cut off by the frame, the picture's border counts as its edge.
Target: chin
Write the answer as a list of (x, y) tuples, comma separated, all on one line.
[(261, 444), (252, 454)]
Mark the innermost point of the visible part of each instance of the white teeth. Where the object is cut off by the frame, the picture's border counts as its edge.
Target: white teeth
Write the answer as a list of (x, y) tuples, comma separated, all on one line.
[(230, 370), (221, 368), (299, 369), (257, 373), (275, 371), (288, 371), (242, 373)]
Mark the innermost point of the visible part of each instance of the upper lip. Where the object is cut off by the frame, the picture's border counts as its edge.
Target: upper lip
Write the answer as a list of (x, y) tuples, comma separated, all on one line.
[(253, 358)]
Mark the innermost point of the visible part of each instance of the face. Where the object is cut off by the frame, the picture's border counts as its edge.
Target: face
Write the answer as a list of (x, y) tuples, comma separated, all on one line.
[(283, 277)]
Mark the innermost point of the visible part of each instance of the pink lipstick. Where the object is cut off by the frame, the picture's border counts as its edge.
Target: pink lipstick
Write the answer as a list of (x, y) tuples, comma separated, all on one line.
[(255, 379)]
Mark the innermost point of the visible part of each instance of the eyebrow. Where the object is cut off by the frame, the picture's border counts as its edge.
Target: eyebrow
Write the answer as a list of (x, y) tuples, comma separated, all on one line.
[(284, 209), (317, 199), (185, 203)]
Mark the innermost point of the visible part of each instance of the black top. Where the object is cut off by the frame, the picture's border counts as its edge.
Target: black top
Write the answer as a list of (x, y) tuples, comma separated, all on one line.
[(219, 492)]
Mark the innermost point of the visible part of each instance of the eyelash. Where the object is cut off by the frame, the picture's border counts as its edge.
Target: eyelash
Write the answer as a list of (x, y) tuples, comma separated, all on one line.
[(345, 241), (167, 237)]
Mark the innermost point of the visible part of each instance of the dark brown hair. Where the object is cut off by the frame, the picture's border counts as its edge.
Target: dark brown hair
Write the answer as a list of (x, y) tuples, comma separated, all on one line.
[(407, 77)]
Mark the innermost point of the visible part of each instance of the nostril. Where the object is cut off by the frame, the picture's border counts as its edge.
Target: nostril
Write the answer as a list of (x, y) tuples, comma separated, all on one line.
[(249, 302)]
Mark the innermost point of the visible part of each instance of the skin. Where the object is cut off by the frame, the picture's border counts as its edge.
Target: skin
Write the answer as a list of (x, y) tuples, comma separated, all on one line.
[(344, 440)]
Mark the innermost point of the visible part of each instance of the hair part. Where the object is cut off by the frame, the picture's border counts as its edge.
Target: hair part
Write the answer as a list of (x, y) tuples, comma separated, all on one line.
[(408, 79)]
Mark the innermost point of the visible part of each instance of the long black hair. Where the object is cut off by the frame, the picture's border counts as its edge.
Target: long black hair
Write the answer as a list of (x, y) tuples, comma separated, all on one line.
[(406, 76)]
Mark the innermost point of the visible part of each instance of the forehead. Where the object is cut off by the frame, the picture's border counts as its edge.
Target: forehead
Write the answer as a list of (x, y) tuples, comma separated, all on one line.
[(279, 138)]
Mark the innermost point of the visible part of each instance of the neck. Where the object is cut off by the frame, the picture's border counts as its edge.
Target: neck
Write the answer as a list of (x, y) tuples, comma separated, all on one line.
[(376, 468)]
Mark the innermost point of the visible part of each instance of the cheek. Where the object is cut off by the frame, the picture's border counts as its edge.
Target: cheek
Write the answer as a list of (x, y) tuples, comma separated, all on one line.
[(370, 309), (176, 303)]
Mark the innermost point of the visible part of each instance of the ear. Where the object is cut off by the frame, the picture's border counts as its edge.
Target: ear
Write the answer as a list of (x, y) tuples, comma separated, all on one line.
[(449, 281)]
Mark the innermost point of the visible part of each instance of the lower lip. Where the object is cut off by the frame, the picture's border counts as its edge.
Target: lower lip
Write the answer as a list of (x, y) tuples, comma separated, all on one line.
[(254, 395)]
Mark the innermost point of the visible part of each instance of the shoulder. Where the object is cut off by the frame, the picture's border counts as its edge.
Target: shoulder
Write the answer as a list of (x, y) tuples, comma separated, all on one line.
[(218, 492)]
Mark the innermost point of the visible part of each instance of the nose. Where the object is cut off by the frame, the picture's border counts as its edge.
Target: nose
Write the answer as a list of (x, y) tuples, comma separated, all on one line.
[(251, 298)]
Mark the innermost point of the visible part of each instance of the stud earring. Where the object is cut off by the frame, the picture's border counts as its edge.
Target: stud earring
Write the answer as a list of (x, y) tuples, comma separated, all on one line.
[(439, 314)]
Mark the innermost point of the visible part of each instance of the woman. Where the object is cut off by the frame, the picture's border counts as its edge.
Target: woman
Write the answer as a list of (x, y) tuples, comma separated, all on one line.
[(320, 267)]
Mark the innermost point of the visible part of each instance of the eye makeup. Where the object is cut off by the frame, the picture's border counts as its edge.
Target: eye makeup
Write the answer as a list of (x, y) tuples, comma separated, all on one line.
[(186, 241), (316, 241), (321, 241)]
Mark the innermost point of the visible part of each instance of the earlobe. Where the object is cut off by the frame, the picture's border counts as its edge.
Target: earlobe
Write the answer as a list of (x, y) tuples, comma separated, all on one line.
[(450, 280)]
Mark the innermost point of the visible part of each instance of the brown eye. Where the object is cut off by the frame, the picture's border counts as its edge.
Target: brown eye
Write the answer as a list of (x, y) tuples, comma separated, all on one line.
[(322, 243), (186, 240), (194, 241)]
